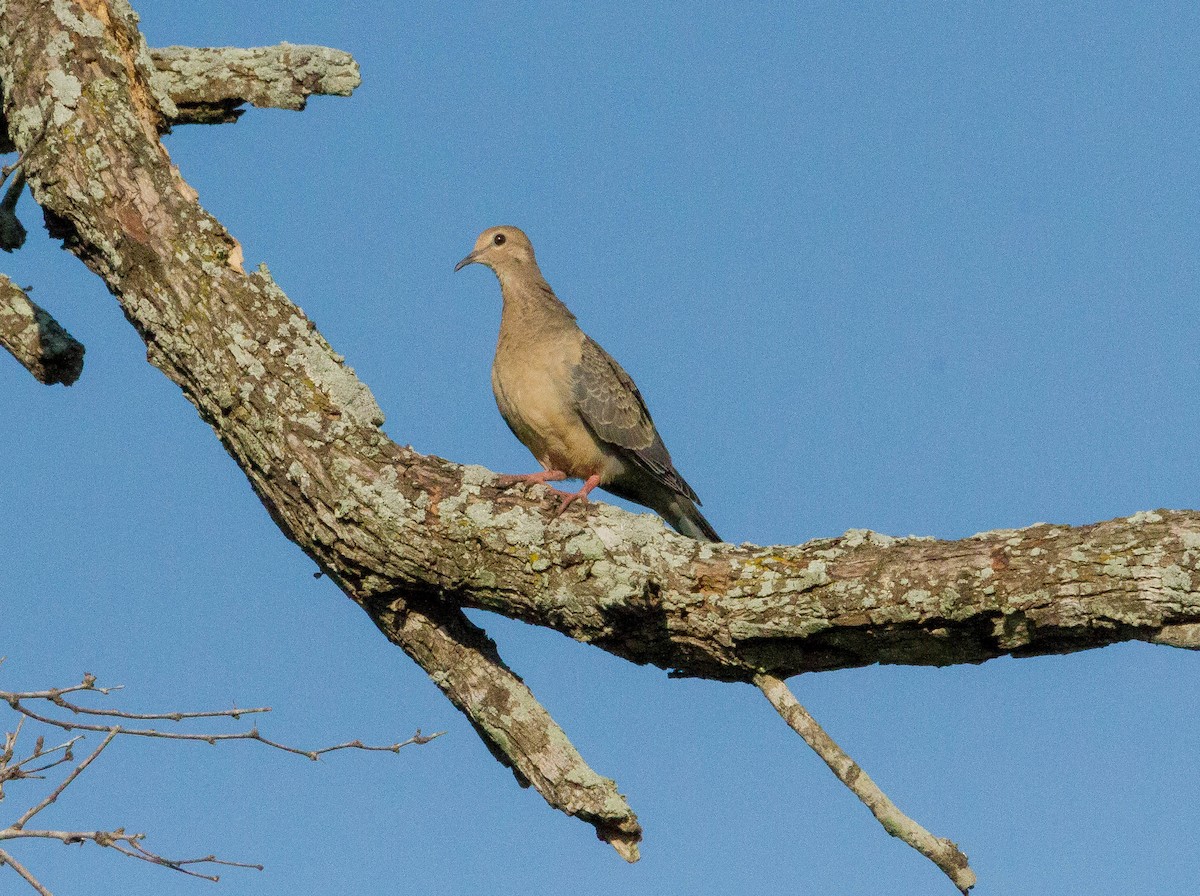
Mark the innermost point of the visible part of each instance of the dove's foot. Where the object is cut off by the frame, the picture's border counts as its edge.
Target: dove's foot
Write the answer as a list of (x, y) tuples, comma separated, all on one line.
[(509, 480), (581, 496)]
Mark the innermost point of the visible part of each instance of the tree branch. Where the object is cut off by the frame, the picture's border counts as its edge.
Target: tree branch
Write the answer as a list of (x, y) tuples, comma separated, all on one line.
[(862, 598), (12, 231), (160, 252), (131, 845), (464, 663), (33, 810), (208, 84), (18, 700), (36, 339), (17, 771), (943, 853), (412, 539), (6, 859)]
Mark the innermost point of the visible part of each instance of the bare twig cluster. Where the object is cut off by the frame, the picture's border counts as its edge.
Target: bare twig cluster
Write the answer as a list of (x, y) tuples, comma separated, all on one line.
[(22, 762)]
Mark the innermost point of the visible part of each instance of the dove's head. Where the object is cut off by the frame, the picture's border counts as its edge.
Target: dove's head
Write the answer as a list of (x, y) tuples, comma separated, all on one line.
[(502, 249)]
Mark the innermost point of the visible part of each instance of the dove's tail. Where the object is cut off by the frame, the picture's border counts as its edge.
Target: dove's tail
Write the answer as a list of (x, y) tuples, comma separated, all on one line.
[(667, 500), (687, 519)]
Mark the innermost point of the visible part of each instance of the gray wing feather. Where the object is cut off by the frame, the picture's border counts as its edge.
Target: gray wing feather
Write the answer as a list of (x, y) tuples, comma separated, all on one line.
[(610, 404)]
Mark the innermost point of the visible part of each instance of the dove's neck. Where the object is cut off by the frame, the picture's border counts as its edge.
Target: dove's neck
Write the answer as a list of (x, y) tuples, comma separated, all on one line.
[(531, 309)]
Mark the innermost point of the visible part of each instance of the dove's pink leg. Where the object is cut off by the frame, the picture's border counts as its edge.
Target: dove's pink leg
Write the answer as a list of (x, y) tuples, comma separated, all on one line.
[(552, 476), (541, 478), (580, 496)]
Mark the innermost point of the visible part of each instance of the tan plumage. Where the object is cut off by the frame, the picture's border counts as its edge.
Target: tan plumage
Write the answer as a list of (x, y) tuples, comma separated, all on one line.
[(568, 401)]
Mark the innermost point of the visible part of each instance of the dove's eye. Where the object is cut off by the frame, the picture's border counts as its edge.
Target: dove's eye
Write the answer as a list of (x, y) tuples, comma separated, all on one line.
[(498, 239)]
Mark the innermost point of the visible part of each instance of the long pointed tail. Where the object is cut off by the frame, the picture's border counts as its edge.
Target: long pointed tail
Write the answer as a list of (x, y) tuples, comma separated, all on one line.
[(687, 519)]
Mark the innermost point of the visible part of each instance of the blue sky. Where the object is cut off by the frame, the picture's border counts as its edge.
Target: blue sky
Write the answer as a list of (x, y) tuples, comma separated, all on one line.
[(928, 268)]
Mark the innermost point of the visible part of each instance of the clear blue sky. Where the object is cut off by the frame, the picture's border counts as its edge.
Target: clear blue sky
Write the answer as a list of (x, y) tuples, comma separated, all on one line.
[(922, 268)]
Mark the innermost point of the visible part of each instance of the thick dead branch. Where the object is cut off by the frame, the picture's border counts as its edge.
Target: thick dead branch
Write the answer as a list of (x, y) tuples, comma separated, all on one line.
[(139, 226), (516, 728), (412, 538), (859, 599), (208, 84), (943, 853), (35, 338)]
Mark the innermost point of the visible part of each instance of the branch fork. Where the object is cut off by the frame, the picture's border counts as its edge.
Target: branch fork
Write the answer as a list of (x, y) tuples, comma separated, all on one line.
[(415, 539)]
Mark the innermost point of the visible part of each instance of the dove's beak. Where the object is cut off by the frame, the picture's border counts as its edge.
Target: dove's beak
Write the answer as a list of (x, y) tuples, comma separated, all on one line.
[(470, 259)]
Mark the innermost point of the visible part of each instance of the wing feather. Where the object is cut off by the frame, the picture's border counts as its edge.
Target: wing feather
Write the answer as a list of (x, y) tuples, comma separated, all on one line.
[(611, 406)]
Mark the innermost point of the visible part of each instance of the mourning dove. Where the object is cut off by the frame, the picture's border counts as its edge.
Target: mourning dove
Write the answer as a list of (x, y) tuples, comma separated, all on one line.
[(568, 401)]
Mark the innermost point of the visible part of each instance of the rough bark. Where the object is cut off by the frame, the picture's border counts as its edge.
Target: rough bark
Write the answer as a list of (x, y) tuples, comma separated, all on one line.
[(36, 339), (298, 422), (207, 85), (942, 852), (413, 539)]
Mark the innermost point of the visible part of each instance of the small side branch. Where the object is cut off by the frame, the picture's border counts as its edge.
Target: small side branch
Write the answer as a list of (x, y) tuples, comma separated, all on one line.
[(209, 84), (53, 796), (462, 660), (942, 852), (53, 701), (36, 339), (132, 845), (6, 859), (18, 700), (12, 231)]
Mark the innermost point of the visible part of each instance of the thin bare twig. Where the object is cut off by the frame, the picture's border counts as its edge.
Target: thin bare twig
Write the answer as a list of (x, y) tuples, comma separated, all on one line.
[(35, 774), (55, 696), (87, 684), (6, 859), (234, 713), (252, 734), (942, 852), (40, 753), (131, 845), (128, 845), (66, 782), (140, 852), (10, 743)]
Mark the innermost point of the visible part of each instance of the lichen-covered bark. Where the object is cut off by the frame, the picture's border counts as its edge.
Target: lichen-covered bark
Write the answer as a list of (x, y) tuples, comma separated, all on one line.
[(413, 539), (208, 84), (36, 339), (81, 108), (509, 718), (627, 585), (866, 598), (942, 852)]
